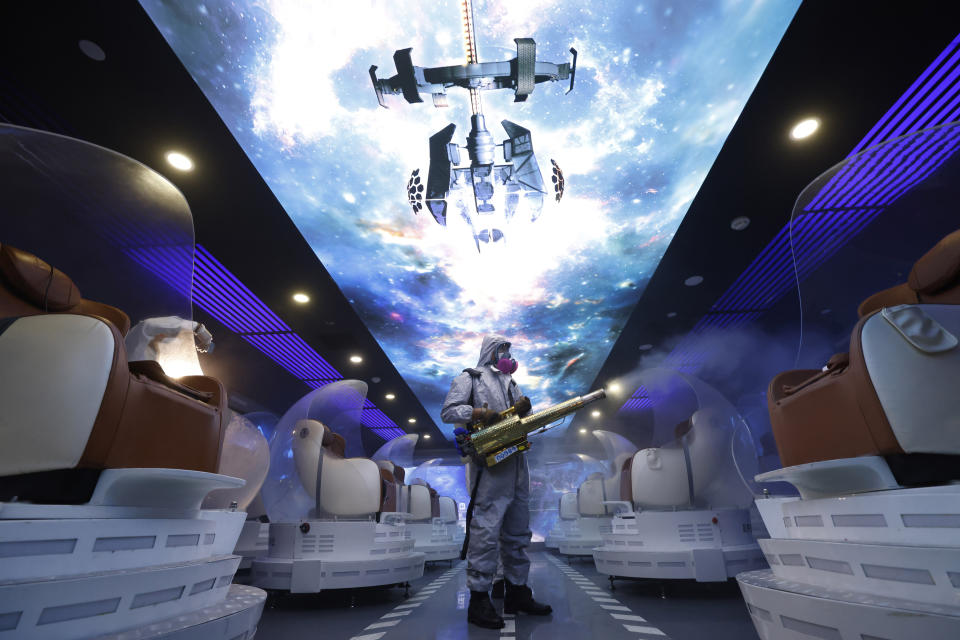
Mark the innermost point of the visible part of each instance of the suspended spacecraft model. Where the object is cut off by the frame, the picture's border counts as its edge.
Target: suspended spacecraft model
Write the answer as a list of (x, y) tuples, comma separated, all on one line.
[(519, 173)]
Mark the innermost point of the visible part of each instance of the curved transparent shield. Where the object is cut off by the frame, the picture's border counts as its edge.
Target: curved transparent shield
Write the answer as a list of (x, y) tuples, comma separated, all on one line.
[(290, 492), (119, 230), (615, 448), (697, 429), (244, 454), (857, 231), (553, 473), (399, 451), (446, 478), (264, 421)]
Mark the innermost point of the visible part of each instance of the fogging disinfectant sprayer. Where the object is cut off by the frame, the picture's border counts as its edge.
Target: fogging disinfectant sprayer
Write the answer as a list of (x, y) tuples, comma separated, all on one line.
[(488, 445)]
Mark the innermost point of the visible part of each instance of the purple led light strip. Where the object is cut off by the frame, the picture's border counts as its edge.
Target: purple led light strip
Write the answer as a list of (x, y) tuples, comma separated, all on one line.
[(880, 131), (216, 290)]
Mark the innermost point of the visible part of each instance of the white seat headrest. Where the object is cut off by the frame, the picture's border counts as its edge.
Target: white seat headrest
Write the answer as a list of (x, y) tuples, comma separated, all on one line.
[(448, 509), (420, 507)]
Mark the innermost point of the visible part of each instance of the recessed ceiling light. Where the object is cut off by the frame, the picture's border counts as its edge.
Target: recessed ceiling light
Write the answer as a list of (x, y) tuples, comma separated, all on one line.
[(92, 50), (693, 281), (646, 347), (672, 314), (356, 359), (426, 436), (389, 396), (595, 413), (375, 379), (740, 223), (302, 298), (412, 420), (613, 387), (804, 129), (583, 430), (179, 161)]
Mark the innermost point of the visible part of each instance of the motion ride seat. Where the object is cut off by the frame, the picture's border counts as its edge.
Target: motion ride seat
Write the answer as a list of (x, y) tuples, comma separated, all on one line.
[(685, 510), (109, 413), (892, 394), (595, 498), (434, 535), (329, 527), (871, 441), (104, 462)]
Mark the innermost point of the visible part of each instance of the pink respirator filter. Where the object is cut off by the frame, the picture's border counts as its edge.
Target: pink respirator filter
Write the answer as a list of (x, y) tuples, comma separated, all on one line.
[(507, 365)]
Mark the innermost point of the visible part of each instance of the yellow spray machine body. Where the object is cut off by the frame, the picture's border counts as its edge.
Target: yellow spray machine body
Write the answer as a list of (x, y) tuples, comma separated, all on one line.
[(491, 444)]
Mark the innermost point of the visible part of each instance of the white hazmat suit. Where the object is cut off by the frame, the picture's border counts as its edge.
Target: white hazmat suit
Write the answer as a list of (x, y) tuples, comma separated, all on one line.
[(501, 512)]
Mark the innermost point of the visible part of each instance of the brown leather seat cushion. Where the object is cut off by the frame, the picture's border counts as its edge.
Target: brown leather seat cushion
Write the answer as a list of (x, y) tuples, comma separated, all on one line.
[(399, 473), (825, 417), (334, 443), (29, 286), (939, 268), (626, 480), (145, 419), (388, 491), (934, 279), (145, 423)]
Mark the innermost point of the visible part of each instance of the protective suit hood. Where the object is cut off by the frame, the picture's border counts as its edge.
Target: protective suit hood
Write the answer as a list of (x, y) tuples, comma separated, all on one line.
[(489, 347)]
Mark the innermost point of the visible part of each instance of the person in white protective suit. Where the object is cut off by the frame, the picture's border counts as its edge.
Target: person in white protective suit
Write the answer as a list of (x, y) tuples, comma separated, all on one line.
[(498, 520)]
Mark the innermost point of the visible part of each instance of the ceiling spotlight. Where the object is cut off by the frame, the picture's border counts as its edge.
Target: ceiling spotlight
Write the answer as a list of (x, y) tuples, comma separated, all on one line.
[(672, 314), (740, 223), (356, 359), (301, 298), (613, 387), (646, 347), (583, 430), (92, 50), (412, 420), (179, 161), (595, 413), (804, 128), (389, 396), (693, 281), (426, 436), (375, 379)]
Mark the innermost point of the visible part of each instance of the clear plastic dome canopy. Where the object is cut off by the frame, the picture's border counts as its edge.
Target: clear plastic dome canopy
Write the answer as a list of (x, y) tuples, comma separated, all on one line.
[(860, 227), (290, 490), (245, 454), (688, 414)]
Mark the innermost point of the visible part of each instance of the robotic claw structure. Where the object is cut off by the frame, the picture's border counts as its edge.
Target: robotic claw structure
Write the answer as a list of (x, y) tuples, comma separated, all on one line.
[(519, 175)]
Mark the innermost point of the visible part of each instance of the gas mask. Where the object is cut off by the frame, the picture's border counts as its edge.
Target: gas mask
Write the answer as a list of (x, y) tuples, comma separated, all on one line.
[(503, 361)]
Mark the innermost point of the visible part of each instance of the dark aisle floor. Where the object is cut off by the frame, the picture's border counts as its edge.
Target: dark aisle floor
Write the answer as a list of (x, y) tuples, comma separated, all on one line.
[(583, 607)]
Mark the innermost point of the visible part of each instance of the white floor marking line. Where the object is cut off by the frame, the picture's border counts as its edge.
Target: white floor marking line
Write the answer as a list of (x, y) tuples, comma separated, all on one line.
[(370, 636), (627, 617), (397, 613), (381, 625), (418, 598), (615, 607), (410, 605), (610, 600), (650, 630)]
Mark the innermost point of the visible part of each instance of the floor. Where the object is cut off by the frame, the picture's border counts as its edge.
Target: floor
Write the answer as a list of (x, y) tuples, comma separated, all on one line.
[(583, 607)]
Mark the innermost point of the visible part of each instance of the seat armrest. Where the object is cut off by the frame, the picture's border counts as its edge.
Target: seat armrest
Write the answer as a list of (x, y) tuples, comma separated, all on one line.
[(152, 370)]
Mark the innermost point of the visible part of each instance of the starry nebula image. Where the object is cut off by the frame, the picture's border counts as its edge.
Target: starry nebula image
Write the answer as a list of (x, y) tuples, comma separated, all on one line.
[(659, 85)]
